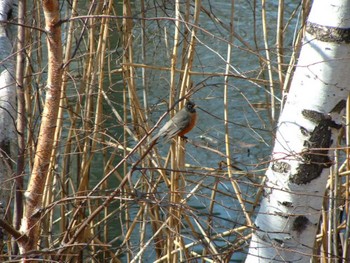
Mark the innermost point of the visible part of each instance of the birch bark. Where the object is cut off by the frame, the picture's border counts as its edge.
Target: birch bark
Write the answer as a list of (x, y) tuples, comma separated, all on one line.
[(8, 134), (308, 127)]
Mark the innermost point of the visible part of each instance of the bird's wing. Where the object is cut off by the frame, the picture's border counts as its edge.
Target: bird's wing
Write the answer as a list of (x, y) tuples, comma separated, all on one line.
[(162, 132), (174, 126)]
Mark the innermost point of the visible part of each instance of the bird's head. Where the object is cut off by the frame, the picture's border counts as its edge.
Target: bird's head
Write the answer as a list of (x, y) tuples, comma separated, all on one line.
[(190, 106)]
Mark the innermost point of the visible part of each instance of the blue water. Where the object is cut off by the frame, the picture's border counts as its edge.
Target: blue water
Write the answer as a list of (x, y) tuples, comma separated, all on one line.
[(250, 126)]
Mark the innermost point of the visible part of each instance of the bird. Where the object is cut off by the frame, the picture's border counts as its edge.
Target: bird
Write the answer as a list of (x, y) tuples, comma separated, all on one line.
[(183, 122)]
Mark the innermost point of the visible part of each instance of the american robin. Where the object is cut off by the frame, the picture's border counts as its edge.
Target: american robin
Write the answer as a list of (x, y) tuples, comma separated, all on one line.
[(179, 125)]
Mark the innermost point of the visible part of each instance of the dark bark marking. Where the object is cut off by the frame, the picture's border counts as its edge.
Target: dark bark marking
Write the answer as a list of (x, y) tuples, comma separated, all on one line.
[(313, 116), (339, 107), (315, 156), (279, 241), (5, 152), (5, 147), (304, 131), (300, 223), (281, 214), (286, 204), (328, 33), (318, 117), (280, 167)]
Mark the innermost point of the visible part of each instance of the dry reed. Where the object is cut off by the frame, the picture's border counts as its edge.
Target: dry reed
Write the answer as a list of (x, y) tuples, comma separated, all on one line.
[(112, 197)]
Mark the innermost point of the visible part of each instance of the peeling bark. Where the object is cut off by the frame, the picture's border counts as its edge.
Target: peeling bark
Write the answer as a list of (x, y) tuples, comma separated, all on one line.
[(33, 196)]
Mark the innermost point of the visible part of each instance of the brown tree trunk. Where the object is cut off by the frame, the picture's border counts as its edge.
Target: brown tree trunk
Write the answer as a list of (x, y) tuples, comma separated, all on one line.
[(31, 220)]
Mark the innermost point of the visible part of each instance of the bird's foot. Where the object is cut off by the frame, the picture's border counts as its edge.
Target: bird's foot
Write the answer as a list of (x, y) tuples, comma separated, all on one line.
[(185, 138)]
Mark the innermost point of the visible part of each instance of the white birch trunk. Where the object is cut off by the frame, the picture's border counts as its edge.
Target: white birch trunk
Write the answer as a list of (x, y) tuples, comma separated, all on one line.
[(8, 135), (309, 124)]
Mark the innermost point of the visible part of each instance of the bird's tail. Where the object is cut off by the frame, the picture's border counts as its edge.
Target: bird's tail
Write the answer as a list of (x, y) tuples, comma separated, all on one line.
[(154, 140)]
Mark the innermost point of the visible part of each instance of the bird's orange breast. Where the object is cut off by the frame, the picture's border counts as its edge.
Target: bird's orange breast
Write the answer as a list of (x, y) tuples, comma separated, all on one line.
[(190, 125)]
